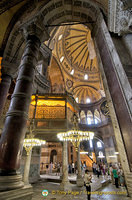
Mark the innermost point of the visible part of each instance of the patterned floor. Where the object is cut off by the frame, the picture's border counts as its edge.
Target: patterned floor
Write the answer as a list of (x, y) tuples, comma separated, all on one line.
[(109, 192)]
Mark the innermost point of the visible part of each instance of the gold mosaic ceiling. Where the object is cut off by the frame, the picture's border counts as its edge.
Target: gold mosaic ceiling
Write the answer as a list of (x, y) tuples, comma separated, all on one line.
[(74, 51), (78, 49)]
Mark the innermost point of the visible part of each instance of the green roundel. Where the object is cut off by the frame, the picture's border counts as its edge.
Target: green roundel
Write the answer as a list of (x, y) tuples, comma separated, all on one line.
[(45, 193)]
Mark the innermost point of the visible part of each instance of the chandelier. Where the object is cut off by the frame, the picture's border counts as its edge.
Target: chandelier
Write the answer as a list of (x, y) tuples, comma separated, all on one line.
[(32, 142), (75, 135)]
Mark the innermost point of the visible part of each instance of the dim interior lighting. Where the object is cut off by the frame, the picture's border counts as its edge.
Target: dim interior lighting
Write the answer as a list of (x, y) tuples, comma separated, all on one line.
[(72, 72), (88, 100), (116, 153), (86, 77), (61, 59)]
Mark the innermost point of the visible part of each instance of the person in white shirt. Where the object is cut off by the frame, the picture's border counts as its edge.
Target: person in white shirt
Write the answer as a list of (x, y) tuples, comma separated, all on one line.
[(87, 181), (73, 168)]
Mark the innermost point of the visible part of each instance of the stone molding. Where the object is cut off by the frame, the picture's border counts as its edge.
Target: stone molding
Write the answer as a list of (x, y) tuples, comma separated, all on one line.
[(119, 19), (35, 27)]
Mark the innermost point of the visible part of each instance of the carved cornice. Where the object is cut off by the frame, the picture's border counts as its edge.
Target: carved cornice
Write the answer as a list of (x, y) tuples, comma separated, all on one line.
[(42, 82), (119, 19), (35, 27)]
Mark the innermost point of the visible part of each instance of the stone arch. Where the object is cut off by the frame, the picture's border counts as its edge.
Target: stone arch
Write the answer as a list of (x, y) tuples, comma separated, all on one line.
[(53, 156), (56, 79), (49, 13), (83, 117)]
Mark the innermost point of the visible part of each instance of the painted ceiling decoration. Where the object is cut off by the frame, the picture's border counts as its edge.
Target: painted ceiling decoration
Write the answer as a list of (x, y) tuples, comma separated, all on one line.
[(85, 93), (74, 52)]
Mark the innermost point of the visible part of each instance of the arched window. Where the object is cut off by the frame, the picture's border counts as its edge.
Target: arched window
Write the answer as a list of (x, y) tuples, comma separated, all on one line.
[(96, 117), (77, 100), (101, 154), (83, 117), (99, 144), (53, 156), (89, 118)]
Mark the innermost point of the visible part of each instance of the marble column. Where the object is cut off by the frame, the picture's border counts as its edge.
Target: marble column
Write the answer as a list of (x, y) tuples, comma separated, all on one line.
[(27, 167), (65, 185), (11, 143), (118, 93), (4, 88), (128, 42), (80, 181)]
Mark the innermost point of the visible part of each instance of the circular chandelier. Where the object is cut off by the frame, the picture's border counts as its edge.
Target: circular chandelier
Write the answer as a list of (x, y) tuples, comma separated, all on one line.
[(32, 142), (75, 136)]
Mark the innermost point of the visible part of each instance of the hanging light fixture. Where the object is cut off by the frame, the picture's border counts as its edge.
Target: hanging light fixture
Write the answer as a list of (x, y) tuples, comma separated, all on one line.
[(32, 142), (75, 135)]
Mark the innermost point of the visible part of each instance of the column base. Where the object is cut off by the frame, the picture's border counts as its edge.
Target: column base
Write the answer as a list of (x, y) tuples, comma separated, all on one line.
[(80, 181), (65, 186), (11, 182), (24, 193)]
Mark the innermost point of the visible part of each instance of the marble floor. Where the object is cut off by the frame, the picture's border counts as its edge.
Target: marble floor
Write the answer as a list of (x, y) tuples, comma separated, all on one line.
[(109, 192)]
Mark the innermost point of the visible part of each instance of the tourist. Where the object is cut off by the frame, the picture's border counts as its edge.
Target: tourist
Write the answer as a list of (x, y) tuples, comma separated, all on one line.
[(94, 168), (42, 163), (121, 177), (97, 170), (115, 174), (47, 169), (70, 169), (104, 169), (50, 168), (111, 174), (87, 181), (61, 169), (73, 167), (58, 169)]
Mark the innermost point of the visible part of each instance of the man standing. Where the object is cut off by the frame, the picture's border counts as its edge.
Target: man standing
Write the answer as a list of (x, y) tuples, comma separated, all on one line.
[(73, 166), (87, 181)]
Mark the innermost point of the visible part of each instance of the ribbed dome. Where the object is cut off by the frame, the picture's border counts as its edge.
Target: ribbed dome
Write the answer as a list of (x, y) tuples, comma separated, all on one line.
[(86, 94), (79, 48)]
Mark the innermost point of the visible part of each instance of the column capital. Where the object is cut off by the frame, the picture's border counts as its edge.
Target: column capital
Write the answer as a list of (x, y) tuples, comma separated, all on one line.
[(8, 69), (35, 27)]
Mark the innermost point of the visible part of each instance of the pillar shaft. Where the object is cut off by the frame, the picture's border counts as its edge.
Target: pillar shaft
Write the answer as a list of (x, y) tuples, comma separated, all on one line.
[(80, 181), (13, 134), (65, 163), (118, 84), (4, 88), (65, 185), (27, 167), (79, 163), (128, 43)]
